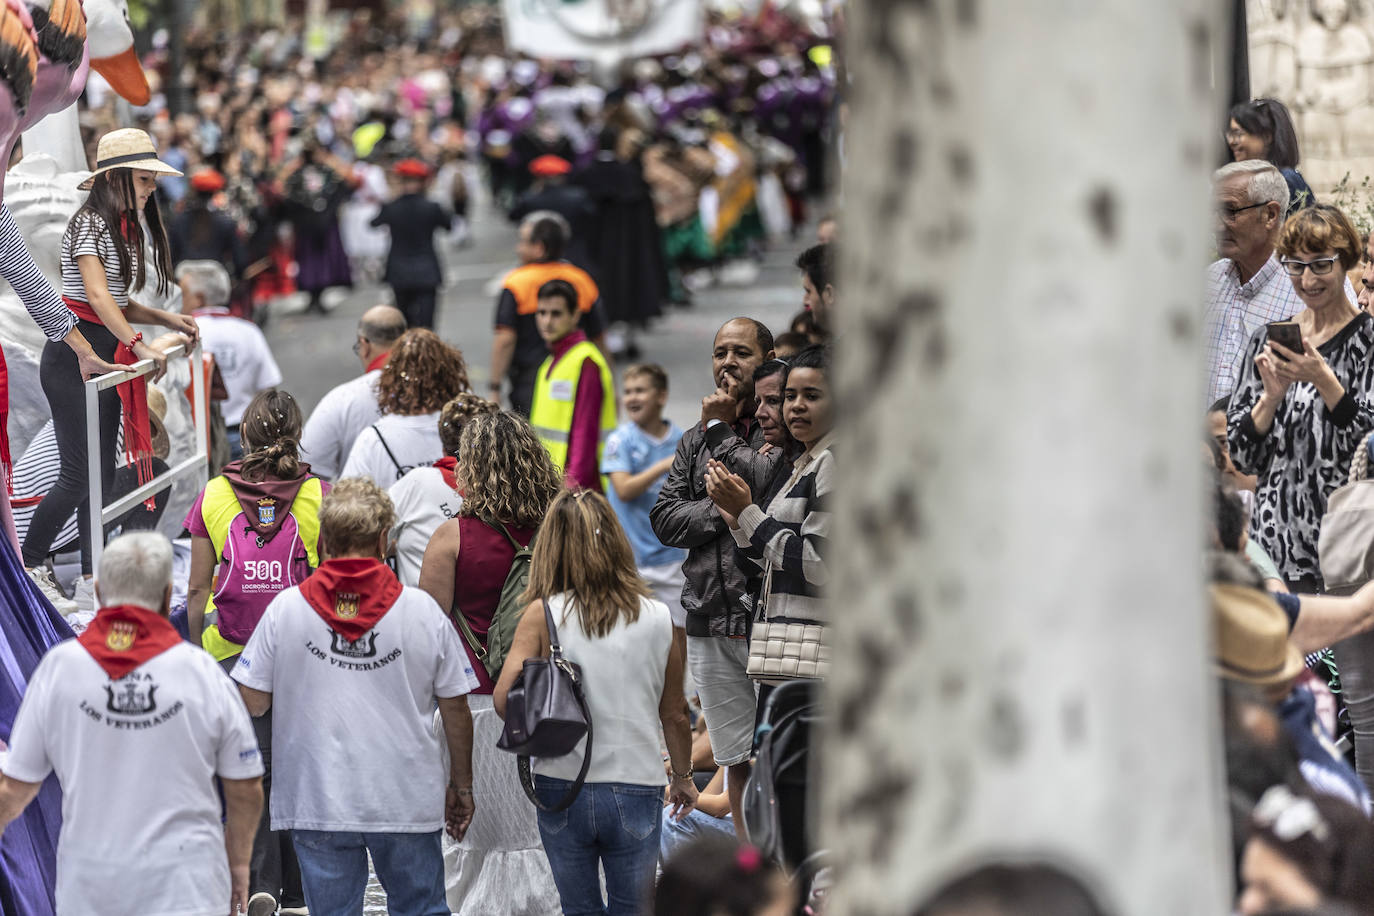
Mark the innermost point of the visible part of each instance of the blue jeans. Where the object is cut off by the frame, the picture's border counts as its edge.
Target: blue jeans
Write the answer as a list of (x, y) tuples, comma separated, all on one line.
[(694, 825), (610, 823), (410, 867)]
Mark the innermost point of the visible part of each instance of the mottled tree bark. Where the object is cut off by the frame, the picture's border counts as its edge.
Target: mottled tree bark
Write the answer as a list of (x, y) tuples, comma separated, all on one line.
[(1021, 637)]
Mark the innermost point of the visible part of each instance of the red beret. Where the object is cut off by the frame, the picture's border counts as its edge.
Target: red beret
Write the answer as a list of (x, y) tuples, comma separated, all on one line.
[(550, 165), (412, 168), (207, 181)]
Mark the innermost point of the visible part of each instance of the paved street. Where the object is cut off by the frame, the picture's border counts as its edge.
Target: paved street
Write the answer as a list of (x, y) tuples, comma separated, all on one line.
[(314, 355)]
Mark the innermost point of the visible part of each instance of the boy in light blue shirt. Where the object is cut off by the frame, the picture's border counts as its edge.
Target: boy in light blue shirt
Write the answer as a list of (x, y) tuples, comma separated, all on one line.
[(636, 459)]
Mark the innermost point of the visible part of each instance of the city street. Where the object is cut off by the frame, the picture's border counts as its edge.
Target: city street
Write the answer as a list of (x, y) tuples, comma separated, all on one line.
[(313, 350)]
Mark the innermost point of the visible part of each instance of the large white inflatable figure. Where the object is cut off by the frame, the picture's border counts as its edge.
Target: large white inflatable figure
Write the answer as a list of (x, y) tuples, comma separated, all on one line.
[(45, 49)]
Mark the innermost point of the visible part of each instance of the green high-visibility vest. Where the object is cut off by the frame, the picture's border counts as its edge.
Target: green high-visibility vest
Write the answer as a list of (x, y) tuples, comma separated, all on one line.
[(555, 393)]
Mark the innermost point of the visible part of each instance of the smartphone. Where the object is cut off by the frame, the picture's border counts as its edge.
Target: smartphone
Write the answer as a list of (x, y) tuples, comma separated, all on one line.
[(1287, 334)]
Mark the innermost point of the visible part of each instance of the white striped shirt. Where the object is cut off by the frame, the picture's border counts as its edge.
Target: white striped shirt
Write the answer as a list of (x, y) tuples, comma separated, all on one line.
[(88, 234), (17, 266)]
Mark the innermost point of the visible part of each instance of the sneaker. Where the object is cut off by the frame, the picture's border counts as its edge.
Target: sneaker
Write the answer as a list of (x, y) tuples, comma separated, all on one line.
[(83, 594), (294, 911), (262, 904), (42, 578)]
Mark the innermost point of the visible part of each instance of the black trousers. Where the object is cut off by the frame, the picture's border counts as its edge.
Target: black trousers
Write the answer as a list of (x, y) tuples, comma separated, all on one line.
[(523, 379), (272, 868), (60, 376), (417, 305)]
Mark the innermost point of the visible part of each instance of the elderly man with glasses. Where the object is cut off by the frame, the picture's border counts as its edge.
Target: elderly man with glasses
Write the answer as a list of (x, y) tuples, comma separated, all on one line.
[(1246, 286), (350, 408)]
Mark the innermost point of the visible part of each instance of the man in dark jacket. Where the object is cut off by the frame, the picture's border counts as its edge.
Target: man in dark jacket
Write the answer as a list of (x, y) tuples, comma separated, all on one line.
[(716, 595), (412, 265), (552, 192)]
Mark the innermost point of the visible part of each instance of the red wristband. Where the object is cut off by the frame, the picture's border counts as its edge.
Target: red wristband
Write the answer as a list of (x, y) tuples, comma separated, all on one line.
[(138, 336)]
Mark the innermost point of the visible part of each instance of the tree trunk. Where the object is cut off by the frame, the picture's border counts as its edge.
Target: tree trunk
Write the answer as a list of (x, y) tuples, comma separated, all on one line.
[(1022, 661)]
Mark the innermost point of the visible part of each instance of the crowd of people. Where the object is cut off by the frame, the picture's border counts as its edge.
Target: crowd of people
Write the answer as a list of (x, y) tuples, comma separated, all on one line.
[(377, 581), (373, 578), (1290, 379), (297, 162)]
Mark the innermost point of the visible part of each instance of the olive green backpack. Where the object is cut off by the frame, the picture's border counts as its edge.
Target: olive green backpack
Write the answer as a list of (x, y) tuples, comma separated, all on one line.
[(506, 618)]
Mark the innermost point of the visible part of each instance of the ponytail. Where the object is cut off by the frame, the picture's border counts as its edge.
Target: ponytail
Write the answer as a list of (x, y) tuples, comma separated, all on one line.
[(271, 431)]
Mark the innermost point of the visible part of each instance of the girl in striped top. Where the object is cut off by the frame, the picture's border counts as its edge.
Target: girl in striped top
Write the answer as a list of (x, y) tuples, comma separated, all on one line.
[(789, 540), (102, 264)]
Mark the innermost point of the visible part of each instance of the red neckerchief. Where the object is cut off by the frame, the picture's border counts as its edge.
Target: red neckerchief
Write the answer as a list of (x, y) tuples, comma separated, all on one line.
[(5, 463), (446, 466), (351, 594), (379, 361), (122, 637), (133, 397)]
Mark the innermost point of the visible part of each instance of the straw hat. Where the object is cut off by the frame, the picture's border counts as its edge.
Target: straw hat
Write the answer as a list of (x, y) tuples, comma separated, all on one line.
[(127, 148), (1251, 632), (157, 414)]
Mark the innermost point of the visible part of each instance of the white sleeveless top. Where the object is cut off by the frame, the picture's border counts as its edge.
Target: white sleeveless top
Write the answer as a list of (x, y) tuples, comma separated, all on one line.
[(623, 676)]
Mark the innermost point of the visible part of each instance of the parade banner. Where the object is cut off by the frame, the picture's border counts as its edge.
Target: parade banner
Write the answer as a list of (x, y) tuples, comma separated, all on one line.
[(598, 29)]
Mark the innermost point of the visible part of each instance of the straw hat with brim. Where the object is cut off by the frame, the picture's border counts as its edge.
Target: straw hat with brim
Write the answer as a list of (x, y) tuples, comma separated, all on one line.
[(1251, 633), (127, 148), (157, 413)]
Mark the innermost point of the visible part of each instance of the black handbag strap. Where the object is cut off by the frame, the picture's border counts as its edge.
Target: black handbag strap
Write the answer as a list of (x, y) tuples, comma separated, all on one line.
[(523, 761), (389, 453)]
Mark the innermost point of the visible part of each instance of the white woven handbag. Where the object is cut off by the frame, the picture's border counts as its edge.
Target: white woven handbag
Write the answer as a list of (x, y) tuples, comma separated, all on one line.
[(783, 649), (1345, 547)]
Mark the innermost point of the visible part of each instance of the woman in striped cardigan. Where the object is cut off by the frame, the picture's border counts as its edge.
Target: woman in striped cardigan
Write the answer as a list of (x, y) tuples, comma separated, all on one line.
[(788, 539)]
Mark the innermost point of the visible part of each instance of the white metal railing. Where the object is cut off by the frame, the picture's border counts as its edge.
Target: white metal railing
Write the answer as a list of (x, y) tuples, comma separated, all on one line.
[(197, 464)]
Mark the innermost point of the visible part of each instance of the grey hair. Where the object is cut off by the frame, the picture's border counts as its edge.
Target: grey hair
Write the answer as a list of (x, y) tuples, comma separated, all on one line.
[(554, 215), (135, 568), (209, 278), (1267, 184)]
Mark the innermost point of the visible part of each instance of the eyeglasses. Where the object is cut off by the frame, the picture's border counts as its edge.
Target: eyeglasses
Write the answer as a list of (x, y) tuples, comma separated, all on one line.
[(1228, 214), (1320, 267), (1237, 133), (357, 345), (1289, 816)]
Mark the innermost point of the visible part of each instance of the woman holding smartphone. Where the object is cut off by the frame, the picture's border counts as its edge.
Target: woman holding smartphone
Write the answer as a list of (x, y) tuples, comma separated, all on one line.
[(1298, 414), (102, 264)]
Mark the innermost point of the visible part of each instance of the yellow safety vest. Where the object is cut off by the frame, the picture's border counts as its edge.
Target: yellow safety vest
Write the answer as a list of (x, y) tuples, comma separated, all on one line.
[(555, 393), (218, 509)]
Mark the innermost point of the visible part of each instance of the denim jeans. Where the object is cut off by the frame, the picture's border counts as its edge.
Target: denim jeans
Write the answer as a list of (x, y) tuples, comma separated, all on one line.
[(1355, 661), (612, 824), (410, 867), (694, 825)]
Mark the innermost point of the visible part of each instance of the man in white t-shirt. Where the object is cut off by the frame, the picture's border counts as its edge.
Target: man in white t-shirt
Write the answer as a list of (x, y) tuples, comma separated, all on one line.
[(350, 408), (240, 350), (352, 665), (137, 724)]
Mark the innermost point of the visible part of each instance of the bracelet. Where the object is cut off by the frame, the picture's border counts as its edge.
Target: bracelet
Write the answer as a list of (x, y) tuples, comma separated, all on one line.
[(137, 338), (677, 775), (461, 790)]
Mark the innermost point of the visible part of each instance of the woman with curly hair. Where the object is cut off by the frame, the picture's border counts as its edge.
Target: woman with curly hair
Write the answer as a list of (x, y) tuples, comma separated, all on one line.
[(422, 374), (507, 481), (427, 496)]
